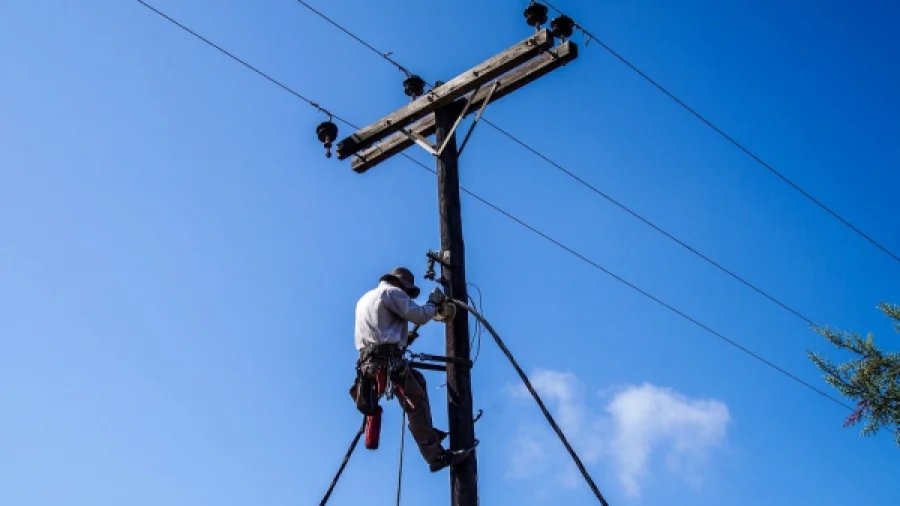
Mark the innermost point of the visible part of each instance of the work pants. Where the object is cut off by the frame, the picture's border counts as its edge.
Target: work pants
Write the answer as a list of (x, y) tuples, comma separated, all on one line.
[(414, 401)]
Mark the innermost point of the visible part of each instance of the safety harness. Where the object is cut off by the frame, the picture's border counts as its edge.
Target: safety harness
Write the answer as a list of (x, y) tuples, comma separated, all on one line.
[(378, 371)]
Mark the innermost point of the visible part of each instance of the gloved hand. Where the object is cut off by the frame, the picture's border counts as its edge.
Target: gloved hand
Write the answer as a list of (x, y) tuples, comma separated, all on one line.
[(446, 311), (437, 297)]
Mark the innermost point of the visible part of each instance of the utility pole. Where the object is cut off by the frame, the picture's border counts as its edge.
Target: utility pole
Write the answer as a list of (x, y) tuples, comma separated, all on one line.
[(463, 477), (439, 112)]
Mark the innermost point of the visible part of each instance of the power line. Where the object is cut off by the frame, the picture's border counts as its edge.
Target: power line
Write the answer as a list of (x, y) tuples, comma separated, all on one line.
[(653, 225), (591, 187), (587, 260), (348, 32), (242, 62), (727, 137)]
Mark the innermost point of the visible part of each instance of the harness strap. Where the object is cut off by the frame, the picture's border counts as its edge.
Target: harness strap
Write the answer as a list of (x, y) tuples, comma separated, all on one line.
[(384, 357)]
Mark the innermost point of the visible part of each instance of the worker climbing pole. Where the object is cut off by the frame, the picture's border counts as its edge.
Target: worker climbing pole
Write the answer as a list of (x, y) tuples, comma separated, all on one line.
[(384, 369), (392, 376), (387, 368)]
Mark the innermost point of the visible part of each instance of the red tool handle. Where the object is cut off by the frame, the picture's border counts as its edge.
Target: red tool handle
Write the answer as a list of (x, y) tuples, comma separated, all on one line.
[(373, 429), (381, 380)]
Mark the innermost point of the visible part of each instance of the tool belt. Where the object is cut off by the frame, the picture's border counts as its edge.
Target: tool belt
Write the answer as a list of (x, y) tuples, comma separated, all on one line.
[(364, 389), (379, 355)]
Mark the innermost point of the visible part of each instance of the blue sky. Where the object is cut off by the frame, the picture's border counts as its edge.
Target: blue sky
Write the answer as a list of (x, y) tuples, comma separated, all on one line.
[(180, 262)]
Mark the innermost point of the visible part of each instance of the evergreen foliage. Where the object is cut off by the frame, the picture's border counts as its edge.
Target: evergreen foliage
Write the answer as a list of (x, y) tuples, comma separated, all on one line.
[(870, 378)]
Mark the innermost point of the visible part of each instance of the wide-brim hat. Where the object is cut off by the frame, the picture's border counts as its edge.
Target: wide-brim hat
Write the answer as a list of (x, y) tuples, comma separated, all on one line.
[(404, 277)]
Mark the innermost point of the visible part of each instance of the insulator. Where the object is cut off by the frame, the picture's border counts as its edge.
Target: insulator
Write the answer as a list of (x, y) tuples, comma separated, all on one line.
[(562, 27), (414, 86), (536, 15), (327, 132)]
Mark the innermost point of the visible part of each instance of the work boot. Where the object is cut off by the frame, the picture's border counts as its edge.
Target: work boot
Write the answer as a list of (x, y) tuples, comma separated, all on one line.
[(447, 459)]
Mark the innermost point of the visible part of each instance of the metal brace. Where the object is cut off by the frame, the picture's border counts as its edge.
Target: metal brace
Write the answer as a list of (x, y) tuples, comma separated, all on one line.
[(447, 360), (487, 100), (437, 151), (418, 139)]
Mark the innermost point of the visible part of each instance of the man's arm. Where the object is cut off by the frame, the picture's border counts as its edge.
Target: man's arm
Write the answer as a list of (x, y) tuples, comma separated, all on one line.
[(400, 303)]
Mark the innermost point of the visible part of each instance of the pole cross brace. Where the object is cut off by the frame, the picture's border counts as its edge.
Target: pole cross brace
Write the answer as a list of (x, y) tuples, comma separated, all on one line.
[(393, 141), (477, 117), (428, 367), (489, 70), (447, 360), (437, 151)]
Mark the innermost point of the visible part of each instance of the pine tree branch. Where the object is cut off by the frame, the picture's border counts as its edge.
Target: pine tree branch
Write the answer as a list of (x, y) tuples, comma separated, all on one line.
[(872, 378)]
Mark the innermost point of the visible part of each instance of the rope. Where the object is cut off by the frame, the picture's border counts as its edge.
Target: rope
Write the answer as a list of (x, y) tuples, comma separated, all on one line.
[(537, 398), (340, 470), (400, 467)]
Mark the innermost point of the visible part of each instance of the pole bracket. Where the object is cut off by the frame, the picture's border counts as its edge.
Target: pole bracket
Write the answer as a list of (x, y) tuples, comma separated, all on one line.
[(428, 367), (446, 360), (441, 257)]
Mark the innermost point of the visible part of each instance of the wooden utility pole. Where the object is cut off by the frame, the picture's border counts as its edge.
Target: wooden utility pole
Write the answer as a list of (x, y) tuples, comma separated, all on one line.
[(439, 112), (463, 477)]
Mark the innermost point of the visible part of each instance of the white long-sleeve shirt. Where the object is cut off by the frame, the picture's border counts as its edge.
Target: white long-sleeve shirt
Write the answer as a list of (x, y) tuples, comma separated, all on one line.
[(382, 315)]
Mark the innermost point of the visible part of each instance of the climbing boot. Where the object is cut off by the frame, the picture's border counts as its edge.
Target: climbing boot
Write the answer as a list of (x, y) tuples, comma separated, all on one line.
[(448, 458)]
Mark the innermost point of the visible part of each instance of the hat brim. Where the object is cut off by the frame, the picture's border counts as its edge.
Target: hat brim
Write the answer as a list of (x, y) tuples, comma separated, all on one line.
[(412, 290)]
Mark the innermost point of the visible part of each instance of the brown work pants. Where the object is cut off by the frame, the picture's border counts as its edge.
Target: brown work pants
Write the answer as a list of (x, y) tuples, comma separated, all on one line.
[(413, 398), (414, 401)]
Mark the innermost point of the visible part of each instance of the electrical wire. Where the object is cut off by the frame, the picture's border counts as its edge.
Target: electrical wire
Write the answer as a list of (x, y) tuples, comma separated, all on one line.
[(479, 329), (597, 191), (603, 269), (474, 336), (476, 343), (652, 225), (537, 399), (351, 34), (727, 137), (242, 62)]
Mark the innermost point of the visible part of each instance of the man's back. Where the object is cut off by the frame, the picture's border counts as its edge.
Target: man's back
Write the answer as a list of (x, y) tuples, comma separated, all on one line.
[(382, 315), (374, 322)]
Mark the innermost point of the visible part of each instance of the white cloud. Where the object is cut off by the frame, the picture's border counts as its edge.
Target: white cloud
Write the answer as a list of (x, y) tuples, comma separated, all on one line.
[(638, 423), (648, 417)]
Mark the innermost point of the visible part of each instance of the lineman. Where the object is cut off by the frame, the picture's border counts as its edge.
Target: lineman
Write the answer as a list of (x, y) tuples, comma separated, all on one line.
[(382, 333)]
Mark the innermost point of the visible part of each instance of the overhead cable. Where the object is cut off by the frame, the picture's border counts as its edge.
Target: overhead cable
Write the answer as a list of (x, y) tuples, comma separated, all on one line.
[(242, 62), (386, 56), (727, 137)]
